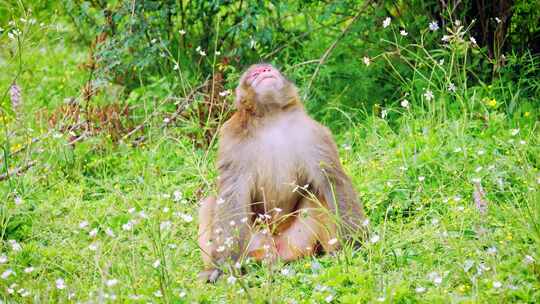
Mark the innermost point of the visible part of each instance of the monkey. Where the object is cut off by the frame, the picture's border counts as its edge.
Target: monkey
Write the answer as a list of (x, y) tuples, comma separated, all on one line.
[(267, 149)]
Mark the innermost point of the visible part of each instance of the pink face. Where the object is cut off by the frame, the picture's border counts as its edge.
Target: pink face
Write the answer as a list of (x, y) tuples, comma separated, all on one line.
[(264, 77)]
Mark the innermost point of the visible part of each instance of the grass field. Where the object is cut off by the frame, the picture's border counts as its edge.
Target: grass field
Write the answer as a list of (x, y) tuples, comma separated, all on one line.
[(104, 222)]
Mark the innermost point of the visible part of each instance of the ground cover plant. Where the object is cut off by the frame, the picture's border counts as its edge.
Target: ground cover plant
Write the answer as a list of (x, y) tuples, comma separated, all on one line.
[(109, 112)]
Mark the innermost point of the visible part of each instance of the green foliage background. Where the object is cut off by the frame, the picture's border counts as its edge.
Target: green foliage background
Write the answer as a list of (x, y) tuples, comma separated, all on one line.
[(420, 116)]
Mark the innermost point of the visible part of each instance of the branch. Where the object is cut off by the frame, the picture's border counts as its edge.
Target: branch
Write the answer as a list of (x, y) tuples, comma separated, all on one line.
[(329, 50)]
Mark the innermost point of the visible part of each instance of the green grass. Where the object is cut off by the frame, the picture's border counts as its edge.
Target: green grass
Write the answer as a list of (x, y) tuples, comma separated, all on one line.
[(430, 243)]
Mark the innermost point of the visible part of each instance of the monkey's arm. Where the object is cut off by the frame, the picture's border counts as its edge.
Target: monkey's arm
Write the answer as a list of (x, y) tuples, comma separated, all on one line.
[(232, 215), (335, 187)]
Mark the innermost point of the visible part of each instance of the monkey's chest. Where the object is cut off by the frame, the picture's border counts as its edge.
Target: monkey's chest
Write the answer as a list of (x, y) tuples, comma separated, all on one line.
[(277, 165)]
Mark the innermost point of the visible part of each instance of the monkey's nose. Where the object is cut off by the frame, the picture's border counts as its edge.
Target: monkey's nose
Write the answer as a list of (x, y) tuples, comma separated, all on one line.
[(260, 70)]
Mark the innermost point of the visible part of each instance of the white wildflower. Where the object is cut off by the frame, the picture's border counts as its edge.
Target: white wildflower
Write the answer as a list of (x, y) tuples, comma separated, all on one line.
[(220, 249), (473, 41), (386, 22), (374, 239), (231, 280), (143, 215), (182, 32), (435, 277), (109, 232), (18, 200), (14, 245), (420, 289), (452, 87), (6, 274), (83, 224), (60, 284), (403, 33), (156, 263), (93, 232), (481, 152), (365, 223), (94, 246), (445, 38), (186, 217), (3, 259), (528, 259), (329, 298), (421, 178), (220, 201), (166, 225), (332, 241), (127, 226), (111, 282), (384, 113), (428, 95), (158, 294), (497, 19), (366, 60), (514, 132), (492, 250), (497, 284), (433, 26), (405, 103), (225, 93)]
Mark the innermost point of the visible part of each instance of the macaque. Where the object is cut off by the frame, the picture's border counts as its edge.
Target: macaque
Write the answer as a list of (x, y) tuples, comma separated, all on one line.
[(282, 192)]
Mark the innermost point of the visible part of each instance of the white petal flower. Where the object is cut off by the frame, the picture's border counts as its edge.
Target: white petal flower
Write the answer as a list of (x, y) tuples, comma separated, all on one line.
[(435, 277), (421, 178), (420, 289), (165, 225), (374, 239), (451, 87), (366, 60), (386, 22), (405, 103), (18, 200), (182, 32), (127, 226), (528, 259), (93, 232), (225, 93), (497, 284), (403, 33), (14, 245), (111, 282), (433, 26), (156, 263), (445, 38), (7, 273), (158, 294), (514, 132), (83, 224), (3, 259), (329, 298), (428, 95), (109, 232), (60, 284), (231, 280)]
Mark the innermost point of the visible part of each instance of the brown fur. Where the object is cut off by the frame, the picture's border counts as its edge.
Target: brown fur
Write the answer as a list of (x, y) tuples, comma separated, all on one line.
[(269, 148)]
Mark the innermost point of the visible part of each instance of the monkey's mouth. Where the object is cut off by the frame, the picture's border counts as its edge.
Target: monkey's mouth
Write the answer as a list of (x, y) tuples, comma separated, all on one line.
[(262, 78)]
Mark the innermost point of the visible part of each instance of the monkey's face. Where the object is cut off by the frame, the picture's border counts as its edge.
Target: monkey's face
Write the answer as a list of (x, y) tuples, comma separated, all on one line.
[(263, 78), (264, 85)]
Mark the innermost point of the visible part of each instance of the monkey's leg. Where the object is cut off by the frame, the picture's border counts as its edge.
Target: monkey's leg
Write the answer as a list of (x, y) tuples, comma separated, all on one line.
[(312, 226)]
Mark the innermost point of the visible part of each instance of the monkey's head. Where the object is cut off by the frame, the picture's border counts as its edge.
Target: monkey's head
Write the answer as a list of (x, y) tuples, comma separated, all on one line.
[(264, 87)]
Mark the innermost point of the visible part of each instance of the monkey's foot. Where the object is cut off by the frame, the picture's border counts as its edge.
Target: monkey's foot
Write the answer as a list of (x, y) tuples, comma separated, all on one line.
[(209, 275)]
